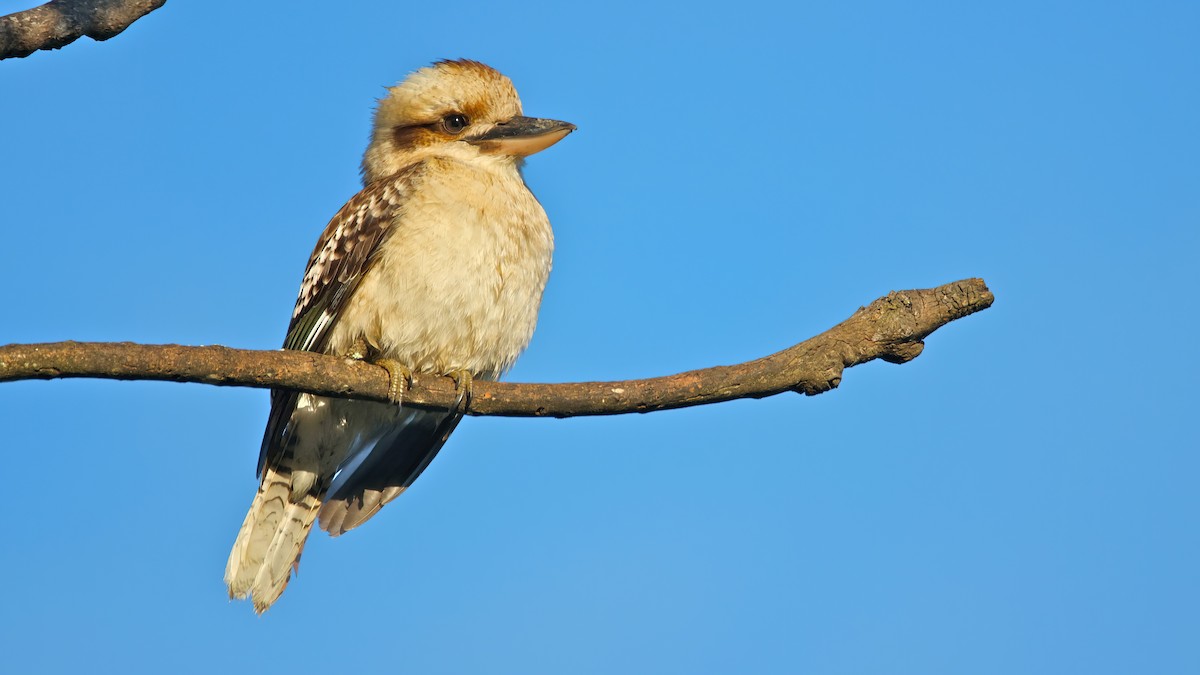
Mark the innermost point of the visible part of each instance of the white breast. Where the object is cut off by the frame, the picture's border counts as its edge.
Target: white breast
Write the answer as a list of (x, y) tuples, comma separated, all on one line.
[(459, 279)]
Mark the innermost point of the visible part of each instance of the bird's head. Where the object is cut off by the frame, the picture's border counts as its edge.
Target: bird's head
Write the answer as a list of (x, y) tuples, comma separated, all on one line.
[(458, 108)]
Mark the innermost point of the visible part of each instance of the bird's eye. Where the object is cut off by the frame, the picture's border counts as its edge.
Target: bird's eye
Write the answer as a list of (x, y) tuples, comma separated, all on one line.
[(455, 123)]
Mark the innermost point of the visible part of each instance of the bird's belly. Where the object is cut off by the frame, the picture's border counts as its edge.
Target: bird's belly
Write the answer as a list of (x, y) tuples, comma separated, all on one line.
[(451, 298)]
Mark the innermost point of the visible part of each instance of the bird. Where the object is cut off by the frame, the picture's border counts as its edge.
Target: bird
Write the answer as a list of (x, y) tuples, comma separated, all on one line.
[(437, 265)]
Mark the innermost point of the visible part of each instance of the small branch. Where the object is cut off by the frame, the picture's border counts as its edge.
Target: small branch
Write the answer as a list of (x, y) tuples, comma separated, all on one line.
[(60, 22), (891, 328)]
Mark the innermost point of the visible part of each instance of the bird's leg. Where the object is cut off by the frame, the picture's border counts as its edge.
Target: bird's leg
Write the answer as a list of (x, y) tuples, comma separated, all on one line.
[(401, 378), (358, 351), (463, 380)]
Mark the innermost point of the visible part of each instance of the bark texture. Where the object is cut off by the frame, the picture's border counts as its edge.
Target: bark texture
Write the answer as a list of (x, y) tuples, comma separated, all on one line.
[(891, 328), (61, 22)]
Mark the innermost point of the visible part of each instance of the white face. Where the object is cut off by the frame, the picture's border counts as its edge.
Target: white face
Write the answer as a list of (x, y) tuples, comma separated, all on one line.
[(455, 108)]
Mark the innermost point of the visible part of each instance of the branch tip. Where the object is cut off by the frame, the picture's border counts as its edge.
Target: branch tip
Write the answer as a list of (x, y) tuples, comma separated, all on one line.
[(60, 22)]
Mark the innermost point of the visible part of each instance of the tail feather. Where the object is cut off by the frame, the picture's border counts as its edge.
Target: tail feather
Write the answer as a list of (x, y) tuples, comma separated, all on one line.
[(269, 544)]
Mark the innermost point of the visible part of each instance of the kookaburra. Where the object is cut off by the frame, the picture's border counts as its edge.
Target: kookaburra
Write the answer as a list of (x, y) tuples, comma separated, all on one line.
[(437, 265)]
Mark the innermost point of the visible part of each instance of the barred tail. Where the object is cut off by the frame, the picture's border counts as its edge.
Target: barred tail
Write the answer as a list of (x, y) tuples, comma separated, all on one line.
[(272, 537)]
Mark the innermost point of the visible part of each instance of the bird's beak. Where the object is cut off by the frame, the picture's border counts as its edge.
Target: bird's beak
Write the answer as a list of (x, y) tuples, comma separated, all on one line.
[(522, 136)]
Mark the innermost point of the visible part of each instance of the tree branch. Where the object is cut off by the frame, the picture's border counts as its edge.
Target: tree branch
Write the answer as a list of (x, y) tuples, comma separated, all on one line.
[(60, 22), (891, 328)]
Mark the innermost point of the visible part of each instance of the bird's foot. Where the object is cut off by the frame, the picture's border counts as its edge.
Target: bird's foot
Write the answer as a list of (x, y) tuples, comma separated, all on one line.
[(400, 379), (463, 381)]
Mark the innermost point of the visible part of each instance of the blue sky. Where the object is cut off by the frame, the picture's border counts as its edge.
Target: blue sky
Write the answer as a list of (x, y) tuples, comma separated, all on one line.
[(1020, 499)]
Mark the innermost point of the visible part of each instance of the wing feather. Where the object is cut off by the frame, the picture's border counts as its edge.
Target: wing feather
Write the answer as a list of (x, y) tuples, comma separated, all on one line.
[(342, 256), (385, 469)]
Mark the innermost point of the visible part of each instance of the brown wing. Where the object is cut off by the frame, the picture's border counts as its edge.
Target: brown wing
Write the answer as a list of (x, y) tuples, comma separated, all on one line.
[(343, 254)]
